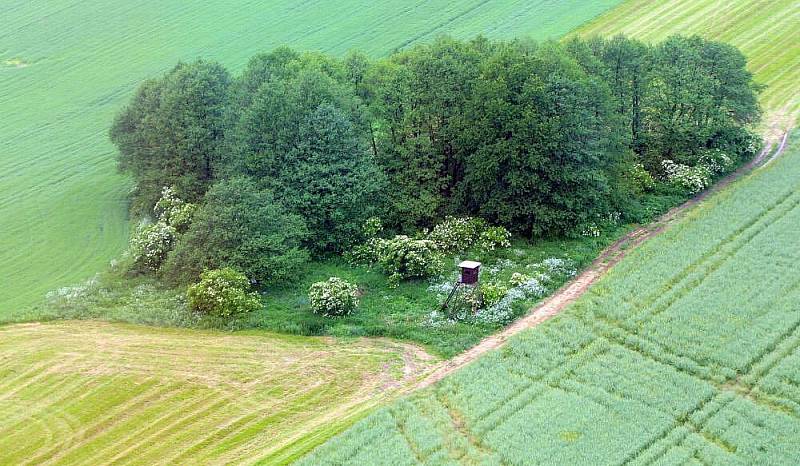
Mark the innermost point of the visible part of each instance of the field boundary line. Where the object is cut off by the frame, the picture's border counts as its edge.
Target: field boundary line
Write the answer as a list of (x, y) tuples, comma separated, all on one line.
[(607, 259)]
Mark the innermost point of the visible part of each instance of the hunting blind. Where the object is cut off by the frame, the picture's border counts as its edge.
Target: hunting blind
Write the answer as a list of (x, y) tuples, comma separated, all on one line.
[(470, 272)]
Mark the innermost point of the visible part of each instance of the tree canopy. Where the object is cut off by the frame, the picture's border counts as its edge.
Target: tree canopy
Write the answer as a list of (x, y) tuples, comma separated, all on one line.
[(296, 152)]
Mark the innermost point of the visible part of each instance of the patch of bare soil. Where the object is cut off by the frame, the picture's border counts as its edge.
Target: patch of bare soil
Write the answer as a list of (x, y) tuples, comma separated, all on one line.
[(605, 261)]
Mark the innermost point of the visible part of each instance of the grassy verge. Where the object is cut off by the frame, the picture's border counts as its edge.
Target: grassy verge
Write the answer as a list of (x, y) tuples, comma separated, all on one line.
[(403, 313)]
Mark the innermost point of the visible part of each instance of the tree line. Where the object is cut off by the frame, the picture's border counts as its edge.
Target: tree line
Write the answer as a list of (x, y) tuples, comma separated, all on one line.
[(287, 160)]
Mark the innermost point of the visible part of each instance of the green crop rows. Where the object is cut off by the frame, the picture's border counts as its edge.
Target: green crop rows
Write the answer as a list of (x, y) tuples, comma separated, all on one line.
[(66, 67), (688, 352)]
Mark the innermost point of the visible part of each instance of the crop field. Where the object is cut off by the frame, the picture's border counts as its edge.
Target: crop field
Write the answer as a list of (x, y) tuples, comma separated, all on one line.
[(764, 30), (687, 352), (66, 67), (98, 393)]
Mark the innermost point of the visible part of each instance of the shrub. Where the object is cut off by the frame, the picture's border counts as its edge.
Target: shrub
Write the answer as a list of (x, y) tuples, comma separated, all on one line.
[(368, 252), (181, 217), (716, 161), (493, 238), (150, 245), (402, 257), (222, 293), (493, 292), (243, 227), (372, 226), (334, 297), (456, 234), (173, 211), (692, 179), (518, 279), (642, 179)]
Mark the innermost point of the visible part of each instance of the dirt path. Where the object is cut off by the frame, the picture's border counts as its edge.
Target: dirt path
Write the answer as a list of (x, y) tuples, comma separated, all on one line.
[(559, 300)]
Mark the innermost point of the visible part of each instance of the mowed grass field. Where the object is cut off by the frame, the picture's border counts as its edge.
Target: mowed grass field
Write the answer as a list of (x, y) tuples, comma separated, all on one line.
[(66, 67), (99, 393), (766, 31), (687, 352)]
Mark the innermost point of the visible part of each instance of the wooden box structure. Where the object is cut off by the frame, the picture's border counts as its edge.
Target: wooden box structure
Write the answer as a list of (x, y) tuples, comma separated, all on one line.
[(470, 271)]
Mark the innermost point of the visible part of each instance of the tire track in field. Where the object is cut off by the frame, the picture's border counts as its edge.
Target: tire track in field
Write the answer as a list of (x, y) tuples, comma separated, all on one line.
[(575, 288), (687, 280)]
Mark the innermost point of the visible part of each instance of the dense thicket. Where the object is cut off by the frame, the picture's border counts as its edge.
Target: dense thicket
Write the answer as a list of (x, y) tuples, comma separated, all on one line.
[(544, 139), (239, 226), (171, 132)]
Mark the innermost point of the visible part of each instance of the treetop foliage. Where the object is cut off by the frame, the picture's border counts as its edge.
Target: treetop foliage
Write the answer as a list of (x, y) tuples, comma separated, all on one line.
[(541, 138)]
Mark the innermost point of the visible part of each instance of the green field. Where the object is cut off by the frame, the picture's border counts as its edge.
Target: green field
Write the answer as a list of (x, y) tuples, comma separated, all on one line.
[(66, 67), (96, 393), (687, 352), (766, 31)]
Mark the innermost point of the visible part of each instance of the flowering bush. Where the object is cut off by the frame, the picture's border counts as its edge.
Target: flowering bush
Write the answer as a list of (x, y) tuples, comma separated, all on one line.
[(716, 161), (493, 238), (150, 245), (693, 179), (402, 257), (372, 227), (334, 297), (369, 252), (456, 234), (753, 144), (222, 293), (174, 211), (642, 179), (591, 231)]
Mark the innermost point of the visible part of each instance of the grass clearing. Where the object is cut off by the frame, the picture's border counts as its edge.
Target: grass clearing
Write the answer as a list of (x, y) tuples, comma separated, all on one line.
[(403, 313), (764, 30), (62, 206), (688, 351), (97, 393)]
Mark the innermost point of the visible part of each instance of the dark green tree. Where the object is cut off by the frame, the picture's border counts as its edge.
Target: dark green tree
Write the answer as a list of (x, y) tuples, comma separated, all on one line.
[(420, 98), (170, 134), (329, 178), (244, 227), (700, 94), (544, 155)]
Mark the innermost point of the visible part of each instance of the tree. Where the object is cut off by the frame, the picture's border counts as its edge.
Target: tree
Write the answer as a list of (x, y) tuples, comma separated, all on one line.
[(269, 128), (169, 135), (330, 179), (700, 95), (625, 67), (419, 102), (243, 227), (542, 158)]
